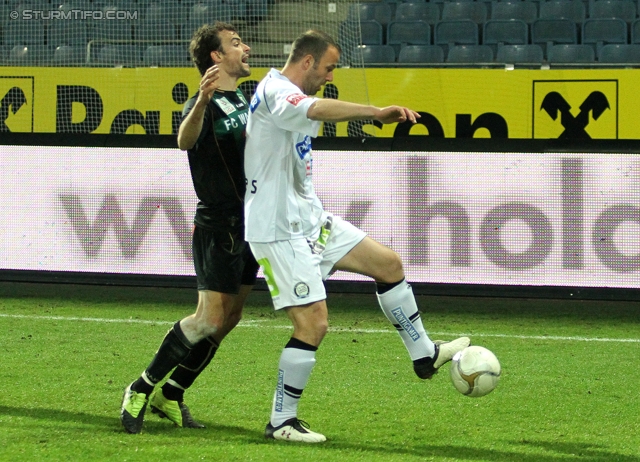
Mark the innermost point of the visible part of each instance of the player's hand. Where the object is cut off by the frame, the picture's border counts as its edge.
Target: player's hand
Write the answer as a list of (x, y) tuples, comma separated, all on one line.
[(209, 84), (391, 114)]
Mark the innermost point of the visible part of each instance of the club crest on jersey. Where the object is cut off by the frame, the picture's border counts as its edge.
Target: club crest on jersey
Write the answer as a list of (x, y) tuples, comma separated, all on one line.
[(224, 104), (296, 98), (301, 290), (303, 147), (255, 102)]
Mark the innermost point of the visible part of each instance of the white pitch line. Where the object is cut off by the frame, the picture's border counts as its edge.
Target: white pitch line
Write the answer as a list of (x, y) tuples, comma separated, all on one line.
[(101, 320), (259, 323)]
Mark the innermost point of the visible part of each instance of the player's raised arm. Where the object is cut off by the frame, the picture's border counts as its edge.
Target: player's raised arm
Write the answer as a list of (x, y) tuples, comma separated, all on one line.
[(332, 110), (191, 126)]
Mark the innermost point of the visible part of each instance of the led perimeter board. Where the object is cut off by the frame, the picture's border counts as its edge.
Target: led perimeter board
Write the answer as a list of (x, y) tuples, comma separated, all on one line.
[(476, 214)]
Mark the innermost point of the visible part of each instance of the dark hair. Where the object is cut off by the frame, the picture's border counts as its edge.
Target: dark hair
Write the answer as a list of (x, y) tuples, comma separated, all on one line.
[(205, 40), (314, 43)]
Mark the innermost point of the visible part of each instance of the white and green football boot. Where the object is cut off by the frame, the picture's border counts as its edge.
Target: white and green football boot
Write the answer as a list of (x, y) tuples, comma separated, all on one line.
[(134, 405), (176, 412)]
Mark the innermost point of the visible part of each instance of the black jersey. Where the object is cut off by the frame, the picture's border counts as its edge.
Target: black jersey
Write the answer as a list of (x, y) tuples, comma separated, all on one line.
[(217, 159)]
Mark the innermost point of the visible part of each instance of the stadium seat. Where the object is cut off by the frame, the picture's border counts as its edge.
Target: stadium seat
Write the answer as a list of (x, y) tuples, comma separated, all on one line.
[(160, 12), (222, 13), (257, 10), (620, 54), (554, 31), (155, 30), (66, 55), (427, 12), (622, 9), (23, 32), (474, 11), (118, 55), (573, 10), (207, 12), (72, 5), (549, 32), (29, 55), (470, 54), (237, 9), (21, 5), (71, 32), (450, 33), (562, 54), (349, 41), (635, 31), (421, 54), (526, 11), (371, 33), (68, 6), (4, 53), (371, 11), (128, 11), (520, 54), (209, 16), (167, 56), (110, 30), (402, 33), (377, 54), (600, 32), (505, 32), (201, 11)]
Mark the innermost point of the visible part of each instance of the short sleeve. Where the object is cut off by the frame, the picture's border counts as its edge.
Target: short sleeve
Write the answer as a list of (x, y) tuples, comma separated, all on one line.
[(206, 124), (289, 107)]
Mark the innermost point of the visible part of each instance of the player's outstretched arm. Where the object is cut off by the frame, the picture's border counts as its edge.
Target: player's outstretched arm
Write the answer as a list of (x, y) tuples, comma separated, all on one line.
[(391, 114), (333, 110), (191, 126)]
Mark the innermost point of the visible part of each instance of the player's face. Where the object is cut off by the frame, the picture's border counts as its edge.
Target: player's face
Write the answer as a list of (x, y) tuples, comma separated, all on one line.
[(322, 72), (236, 55)]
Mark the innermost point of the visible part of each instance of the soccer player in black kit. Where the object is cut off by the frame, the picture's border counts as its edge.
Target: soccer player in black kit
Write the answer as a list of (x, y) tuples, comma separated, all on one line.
[(213, 133)]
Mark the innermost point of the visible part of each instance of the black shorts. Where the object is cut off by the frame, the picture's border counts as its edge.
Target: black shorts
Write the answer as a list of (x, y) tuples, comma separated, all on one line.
[(223, 260)]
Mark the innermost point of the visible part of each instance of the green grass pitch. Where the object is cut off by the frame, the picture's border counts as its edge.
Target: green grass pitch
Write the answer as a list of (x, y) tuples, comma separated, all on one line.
[(569, 390)]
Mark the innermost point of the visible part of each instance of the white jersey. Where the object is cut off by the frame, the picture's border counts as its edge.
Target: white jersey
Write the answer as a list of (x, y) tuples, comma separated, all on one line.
[(280, 202)]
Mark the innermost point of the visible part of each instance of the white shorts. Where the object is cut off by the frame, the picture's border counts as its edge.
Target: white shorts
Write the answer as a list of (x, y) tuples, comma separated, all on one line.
[(294, 272)]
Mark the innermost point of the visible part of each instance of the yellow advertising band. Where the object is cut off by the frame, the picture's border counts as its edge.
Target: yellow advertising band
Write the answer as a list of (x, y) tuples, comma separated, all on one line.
[(455, 103)]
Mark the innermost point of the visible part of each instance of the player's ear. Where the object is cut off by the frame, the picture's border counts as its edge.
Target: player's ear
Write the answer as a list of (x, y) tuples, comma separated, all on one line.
[(216, 56), (308, 62)]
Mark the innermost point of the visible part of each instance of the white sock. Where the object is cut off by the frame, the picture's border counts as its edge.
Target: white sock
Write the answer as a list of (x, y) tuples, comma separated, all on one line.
[(173, 383), (399, 305), (294, 370)]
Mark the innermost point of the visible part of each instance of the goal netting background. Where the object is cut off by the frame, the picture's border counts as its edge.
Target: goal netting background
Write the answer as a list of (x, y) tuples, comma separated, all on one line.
[(148, 34)]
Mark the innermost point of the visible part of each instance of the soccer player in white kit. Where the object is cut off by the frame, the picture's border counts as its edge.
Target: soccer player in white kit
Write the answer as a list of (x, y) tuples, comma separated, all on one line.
[(299, 244)]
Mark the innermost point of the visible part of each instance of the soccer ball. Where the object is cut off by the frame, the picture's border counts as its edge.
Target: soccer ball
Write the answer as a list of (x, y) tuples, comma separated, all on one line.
[(475, 371)]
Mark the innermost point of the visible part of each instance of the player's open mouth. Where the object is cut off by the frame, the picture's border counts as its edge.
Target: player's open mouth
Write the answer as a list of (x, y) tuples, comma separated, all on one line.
[(245, 59)]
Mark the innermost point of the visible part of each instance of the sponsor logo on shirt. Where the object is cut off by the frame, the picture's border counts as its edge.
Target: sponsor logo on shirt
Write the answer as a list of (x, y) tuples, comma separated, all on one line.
[(255, 102), (303, 147), (296, 98), (225, 105)]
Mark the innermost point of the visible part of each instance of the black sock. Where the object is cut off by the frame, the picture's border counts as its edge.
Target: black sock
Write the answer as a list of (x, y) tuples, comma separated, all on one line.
[(295, 343), (141, 386), (173, 393), (174, 348), (382, 287), (190, 368)]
